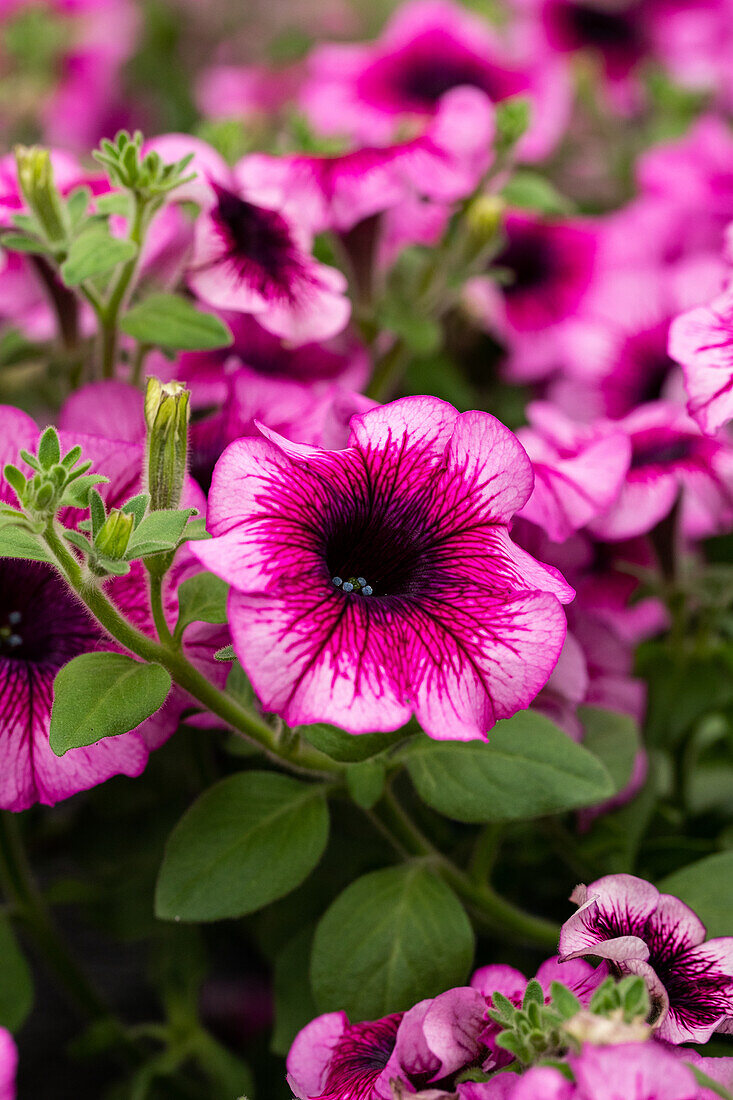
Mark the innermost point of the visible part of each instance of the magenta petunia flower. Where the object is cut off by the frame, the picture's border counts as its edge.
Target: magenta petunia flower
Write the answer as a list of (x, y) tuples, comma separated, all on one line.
[(547, 268), (331, 1058), (627, 921), (8, 1065), (428, 48), (443, 164), (670, 459), (43, 626), (251, 258), (702, 342), (578, 470), (380, 581)]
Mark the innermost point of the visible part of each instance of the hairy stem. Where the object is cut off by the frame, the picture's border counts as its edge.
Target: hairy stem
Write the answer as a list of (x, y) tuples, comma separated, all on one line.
[(110, 313)]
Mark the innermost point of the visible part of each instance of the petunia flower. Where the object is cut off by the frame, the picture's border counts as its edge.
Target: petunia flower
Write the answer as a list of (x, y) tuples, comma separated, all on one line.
[(332, 1058), (547, 268), (8, 1065), (701, 340), (428, 48), (43, 626), (251, 258), (578, 470), (443, 163), (626, 921), (380, 581), (670, 459)]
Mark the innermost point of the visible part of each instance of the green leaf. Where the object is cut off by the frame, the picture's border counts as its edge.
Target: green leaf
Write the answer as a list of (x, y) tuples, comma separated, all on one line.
[(100, 695), (14, 242), (173, 322), (614, 738), (391, 938), (116, 202), (294, 1004), (348, 747), (365, 782), (707, 887), (226, 653), (531, 191), (248, 840), (16, 542), (158, 531), (77, 203), (528, 769), (202, 599), (93, 253), (76, 493), (49, 448), (16, 987)]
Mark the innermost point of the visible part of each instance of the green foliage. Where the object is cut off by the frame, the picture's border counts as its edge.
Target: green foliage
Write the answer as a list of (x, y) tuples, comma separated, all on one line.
[(99, 695), (169, 321), (390, 939), (531, 191), (95, 252), (614, 738), (348, 748), (146, 174), (365, 782), (201, 598), (529, 768), (294, 1004), (707, 887), (16, 987), (248, 840)]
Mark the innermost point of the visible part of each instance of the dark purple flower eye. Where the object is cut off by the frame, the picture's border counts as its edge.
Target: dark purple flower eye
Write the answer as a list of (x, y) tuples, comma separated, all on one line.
[(361, 1054), (41, 623), (259, 247)]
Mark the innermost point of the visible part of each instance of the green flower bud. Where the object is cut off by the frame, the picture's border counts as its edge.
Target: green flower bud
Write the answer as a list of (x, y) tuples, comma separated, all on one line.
[(35, 176), (483, 218), (114, 535), (166, 417)]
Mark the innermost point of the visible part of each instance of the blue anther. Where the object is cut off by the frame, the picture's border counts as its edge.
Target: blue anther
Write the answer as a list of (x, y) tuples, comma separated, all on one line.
[(347, 587), (336, 582), (367, 590)]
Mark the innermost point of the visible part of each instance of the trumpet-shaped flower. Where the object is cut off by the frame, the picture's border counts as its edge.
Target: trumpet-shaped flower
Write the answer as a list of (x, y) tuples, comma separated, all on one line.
[(627, 921), (380, 581)]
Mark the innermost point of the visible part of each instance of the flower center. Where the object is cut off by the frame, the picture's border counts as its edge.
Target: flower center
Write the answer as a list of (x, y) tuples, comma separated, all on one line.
[(394, 549), (40, 621), (529, 261), (603, 28), (259, 247), (361, 1054), (663, 451)]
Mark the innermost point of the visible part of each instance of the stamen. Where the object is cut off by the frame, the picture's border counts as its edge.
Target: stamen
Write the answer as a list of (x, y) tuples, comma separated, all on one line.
[(353, 584)]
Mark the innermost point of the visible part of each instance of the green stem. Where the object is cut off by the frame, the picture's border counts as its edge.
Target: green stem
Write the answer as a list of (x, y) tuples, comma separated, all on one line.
[(138, 363), (110, 312), (494, 912), (296, 756), (156, 606)]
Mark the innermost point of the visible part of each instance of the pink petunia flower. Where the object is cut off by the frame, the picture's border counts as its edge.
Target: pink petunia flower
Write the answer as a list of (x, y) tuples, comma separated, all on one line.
[(380, 581), (548, 267), (428, 48), (443, 164), (43, 626), (578, 470), (251, 258), (701, 340), (627, 921), (8, 1065), (670, 459), (331, 1058)]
